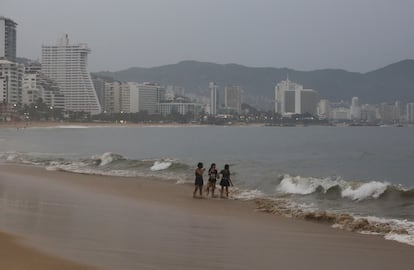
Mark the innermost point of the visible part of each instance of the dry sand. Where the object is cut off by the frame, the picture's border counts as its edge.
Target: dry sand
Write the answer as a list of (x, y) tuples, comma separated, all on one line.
[(151, 224)]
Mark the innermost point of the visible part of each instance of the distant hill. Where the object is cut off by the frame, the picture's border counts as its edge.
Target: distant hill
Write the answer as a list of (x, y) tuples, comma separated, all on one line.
[(387, 84), (393, 82)]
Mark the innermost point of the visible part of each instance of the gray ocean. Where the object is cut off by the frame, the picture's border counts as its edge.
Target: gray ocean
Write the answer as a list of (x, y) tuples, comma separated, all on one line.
[(361, 171)]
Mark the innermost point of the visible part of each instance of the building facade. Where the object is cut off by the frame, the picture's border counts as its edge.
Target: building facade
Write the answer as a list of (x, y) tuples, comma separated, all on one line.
[(410, 112), (7, 39), (167, 108), (145, 97), (355, 109), (324, 109), (30, 92), (291, 98), (112, 96), (213, 98), (11, 76), (132, 97), (233, 96), (67, 65)]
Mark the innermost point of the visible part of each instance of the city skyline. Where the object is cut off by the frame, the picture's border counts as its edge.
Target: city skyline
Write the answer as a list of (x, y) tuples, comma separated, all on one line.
[(300, 35)]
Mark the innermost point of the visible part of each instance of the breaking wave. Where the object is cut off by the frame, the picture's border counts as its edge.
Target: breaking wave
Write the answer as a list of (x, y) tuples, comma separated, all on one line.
[(160, 165), (348, 205), (392, 229), (352, 190), (108, 163)]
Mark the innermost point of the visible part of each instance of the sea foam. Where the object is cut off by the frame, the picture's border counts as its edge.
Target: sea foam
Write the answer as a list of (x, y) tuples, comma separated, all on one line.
[(367, 190), (350, 190), (160, 165)]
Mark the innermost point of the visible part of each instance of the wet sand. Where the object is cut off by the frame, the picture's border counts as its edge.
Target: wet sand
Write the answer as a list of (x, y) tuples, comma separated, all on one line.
[(15, 256), (131, 223)]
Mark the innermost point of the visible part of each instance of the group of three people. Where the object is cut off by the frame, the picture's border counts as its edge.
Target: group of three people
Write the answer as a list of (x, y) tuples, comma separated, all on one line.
[(213, 176)]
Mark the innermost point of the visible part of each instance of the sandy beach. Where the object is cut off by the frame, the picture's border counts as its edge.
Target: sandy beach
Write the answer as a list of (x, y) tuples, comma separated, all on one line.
[(143, 223), (44, 124)]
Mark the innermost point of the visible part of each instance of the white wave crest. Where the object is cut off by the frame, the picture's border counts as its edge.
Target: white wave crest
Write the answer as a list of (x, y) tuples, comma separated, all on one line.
[(367, 190), (160, 165), (354, 191), (304, 186), (246, 195), (70, 126), (106, 158), (12, 157), (402, 230)]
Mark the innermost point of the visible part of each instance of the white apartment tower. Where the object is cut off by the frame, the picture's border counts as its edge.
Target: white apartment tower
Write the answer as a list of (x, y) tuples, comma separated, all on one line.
[(291, 98), (11, 77), (7, 39), (324, 109), (355, 109), (233, 98), (67, 65), (410, 112), (145, 97), (213, 98)]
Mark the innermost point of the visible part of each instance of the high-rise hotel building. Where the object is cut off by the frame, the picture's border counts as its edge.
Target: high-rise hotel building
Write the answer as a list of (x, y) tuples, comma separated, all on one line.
[(67, 65), (291, 98), (233, 98), (7, 39), (213, 98), (410, 112)]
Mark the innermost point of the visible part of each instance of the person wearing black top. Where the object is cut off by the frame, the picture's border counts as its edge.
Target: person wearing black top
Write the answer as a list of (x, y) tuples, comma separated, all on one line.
[(212, 179), (225, 180), (199, 182)]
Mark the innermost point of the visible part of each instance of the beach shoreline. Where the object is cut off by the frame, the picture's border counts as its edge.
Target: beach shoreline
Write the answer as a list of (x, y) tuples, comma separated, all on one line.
[(50, 124), (275, 239)]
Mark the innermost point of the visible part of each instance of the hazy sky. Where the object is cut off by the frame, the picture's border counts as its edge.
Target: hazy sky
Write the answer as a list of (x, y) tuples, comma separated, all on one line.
[(356, 35)]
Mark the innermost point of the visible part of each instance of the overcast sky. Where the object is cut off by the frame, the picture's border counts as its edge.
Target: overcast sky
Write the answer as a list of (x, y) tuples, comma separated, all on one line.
[(356, 35)]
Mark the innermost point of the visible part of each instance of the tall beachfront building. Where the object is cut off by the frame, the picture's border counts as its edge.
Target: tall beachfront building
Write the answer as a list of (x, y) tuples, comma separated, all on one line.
[(233, 98), (7, 39), (355, 109), (291, 98), (410, 112), (213, 98), (11, 77), (67, 65)]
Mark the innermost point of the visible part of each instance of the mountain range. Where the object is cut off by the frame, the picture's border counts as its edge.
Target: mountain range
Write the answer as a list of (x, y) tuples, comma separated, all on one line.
[(387, 84)]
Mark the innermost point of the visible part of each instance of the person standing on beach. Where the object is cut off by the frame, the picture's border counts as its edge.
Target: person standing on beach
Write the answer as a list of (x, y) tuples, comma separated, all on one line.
[(199, 180), (225, 181), (212, 179)]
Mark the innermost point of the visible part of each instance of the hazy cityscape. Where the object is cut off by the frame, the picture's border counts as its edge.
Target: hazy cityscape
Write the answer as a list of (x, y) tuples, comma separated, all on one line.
[(219, 134), (62, 83)]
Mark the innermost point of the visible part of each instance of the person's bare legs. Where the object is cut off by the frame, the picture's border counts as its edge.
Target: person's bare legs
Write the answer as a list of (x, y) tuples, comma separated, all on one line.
[(227, 191), (208, 188), (200, 188)]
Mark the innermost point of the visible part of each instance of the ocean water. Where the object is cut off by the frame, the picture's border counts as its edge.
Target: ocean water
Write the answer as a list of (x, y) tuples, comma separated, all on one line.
[(356, 178)]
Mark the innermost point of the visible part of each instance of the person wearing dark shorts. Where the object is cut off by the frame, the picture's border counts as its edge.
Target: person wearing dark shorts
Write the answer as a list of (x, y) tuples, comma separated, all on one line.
[(212, 179), (199, 182), (225, 180)]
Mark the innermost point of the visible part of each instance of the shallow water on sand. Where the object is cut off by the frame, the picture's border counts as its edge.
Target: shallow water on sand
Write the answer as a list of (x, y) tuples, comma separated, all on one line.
[(123, 233)]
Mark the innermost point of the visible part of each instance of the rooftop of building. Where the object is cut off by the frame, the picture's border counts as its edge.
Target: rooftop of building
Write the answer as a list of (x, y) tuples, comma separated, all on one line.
[(8, 19), (5, 61)]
